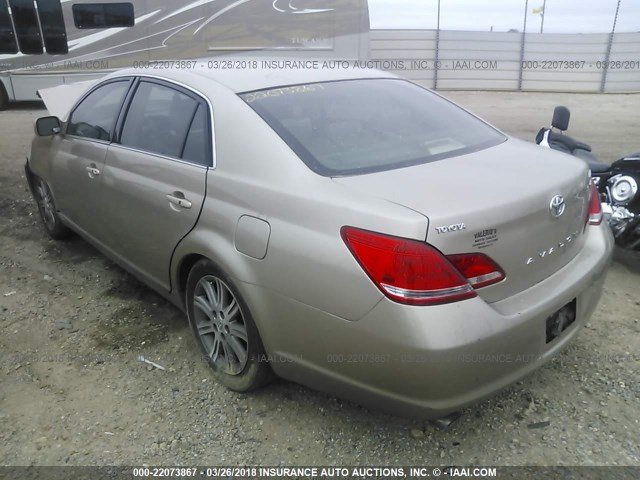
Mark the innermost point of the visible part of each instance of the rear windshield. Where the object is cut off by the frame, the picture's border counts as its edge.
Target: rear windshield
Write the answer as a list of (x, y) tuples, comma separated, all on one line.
[(355, 127)]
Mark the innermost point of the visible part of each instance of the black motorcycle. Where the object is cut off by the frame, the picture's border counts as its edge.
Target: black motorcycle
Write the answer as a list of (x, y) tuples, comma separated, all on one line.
[(617, 183)]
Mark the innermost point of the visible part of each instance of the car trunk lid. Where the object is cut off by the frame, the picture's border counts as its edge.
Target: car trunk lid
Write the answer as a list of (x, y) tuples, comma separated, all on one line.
[(523, 206)]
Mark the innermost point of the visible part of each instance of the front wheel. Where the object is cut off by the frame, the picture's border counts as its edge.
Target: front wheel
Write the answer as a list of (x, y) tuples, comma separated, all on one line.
[(224, 329), (48, 212)]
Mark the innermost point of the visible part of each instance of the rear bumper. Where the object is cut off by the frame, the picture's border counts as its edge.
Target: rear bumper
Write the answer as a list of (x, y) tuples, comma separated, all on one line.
[(427, 362)]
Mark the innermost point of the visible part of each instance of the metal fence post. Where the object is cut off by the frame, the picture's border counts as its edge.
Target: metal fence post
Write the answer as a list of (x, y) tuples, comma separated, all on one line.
[(524, 33), (607, 55), (435, 64)]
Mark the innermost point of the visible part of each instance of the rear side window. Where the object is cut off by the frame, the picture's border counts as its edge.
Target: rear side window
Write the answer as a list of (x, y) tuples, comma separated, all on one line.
[(355, 127), (159, 121), (95, 116), (195, 148)]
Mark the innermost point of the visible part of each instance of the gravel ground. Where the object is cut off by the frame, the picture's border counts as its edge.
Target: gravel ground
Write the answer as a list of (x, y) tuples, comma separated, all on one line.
[(72, 325)]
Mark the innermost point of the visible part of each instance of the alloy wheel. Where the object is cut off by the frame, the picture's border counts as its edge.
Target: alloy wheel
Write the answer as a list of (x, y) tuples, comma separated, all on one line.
[(221, 325), (46, 204)]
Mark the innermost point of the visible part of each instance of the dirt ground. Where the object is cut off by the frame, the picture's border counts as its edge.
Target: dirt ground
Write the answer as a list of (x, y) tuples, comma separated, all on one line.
[(72, 325)]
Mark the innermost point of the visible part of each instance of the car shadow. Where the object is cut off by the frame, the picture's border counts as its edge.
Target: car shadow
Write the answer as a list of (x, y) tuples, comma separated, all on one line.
[(26, 105), (72, 251), (628, 258)]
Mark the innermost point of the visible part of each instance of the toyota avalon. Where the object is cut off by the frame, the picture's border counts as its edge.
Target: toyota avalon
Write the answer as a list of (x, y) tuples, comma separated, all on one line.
[(347, 230)]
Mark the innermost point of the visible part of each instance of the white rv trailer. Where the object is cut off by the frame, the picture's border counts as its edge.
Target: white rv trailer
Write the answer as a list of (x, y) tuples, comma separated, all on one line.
[(44, 43)]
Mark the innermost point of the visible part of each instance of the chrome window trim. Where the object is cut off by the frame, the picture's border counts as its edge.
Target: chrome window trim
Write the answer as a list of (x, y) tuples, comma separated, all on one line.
[(202, 96), (69, 136), (159, 155), (87, 139)]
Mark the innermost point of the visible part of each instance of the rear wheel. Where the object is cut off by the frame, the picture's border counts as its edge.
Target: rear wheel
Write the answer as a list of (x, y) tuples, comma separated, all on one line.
[(47, 208), (224, 329)]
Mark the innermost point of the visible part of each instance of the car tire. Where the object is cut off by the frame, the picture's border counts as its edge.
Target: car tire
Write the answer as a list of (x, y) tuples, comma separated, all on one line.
[(224, 329), (48, 212)]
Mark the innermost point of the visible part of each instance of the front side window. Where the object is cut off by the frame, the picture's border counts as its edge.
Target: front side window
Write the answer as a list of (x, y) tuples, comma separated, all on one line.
[(158, 120), (95, 116), (355, 127)]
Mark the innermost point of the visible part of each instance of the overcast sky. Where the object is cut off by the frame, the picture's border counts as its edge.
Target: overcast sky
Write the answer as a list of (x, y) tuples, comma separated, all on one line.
[(562, 16)]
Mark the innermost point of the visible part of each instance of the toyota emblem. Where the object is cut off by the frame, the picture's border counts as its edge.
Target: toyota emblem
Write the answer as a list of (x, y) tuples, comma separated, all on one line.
[(557, 206)]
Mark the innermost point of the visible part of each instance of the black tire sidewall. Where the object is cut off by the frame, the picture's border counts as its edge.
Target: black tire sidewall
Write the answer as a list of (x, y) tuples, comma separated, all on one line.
[(257, 371), (4, 98)]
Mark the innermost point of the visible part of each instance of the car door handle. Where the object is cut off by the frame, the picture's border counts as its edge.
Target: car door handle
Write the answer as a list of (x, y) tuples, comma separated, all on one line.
[(179, 201), (93, 171)]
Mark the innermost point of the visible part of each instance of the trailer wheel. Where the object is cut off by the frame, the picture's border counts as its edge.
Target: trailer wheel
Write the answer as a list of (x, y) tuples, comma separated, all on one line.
[(4, 98)]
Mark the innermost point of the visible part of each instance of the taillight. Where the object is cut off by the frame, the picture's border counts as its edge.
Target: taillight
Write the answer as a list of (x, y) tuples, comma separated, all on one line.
[(595, 207), (479, 270), (413, 272)]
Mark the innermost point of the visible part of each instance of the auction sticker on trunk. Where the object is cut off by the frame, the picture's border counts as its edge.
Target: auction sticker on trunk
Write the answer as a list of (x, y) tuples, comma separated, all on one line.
[(485, 238)]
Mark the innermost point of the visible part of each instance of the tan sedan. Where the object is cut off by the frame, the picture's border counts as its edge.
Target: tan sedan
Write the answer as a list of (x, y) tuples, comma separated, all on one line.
[(349, 230)]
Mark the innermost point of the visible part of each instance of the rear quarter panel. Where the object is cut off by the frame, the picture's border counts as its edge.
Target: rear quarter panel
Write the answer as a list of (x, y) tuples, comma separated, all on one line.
[(257, 174)]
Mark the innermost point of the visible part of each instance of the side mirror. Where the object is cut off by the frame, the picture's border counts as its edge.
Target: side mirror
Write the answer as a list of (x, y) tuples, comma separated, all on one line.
[(561, 117), (47, 126)]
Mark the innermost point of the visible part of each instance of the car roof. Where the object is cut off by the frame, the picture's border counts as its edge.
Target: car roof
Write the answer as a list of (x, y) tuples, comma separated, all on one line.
[(239, 76)]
